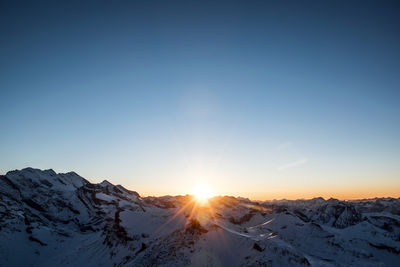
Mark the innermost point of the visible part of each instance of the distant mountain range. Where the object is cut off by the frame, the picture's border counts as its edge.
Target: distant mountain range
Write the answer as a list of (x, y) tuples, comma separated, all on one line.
[(50, 219)]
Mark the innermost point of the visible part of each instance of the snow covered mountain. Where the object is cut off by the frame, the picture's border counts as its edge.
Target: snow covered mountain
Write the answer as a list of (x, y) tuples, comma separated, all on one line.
[(50, 219)]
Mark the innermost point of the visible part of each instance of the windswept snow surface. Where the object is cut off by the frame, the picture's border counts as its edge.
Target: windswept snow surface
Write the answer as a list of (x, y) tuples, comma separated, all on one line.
[(50, 219)]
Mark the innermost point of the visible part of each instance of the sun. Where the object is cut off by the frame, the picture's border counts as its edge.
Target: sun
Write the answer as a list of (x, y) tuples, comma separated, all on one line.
[(202, 193)]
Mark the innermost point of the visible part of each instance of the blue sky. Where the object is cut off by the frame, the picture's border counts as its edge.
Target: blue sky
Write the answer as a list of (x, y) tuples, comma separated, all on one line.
[(259, 99)]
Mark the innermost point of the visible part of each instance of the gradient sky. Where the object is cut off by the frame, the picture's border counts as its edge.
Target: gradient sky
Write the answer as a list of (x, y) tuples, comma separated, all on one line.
[(254, 98)]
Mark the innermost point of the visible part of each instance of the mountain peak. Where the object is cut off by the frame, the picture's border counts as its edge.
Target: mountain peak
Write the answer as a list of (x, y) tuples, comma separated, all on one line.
[(106, 183)]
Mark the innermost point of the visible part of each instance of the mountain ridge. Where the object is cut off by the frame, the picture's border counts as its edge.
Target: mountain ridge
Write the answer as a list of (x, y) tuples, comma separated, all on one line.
[(63, 219)]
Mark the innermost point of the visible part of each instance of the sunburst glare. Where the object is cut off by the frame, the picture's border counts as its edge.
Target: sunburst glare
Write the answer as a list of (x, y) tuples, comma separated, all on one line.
[(202, 193)]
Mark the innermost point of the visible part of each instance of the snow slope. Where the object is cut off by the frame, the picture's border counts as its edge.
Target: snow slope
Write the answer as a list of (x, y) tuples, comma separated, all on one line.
[(50, 219)]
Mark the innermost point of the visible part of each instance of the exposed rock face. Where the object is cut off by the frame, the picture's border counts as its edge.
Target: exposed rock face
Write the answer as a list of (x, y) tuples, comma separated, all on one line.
[(50, 219)]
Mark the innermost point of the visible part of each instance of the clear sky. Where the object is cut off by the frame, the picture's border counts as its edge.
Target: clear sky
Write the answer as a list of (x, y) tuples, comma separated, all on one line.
[(254, 98)]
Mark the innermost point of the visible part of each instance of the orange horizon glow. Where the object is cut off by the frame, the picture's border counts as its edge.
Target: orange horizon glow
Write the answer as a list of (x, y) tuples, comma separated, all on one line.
[(345, 194), (290, 186)]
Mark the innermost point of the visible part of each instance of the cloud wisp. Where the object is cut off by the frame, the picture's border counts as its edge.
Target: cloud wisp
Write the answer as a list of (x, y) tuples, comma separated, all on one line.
[(292, 164)]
